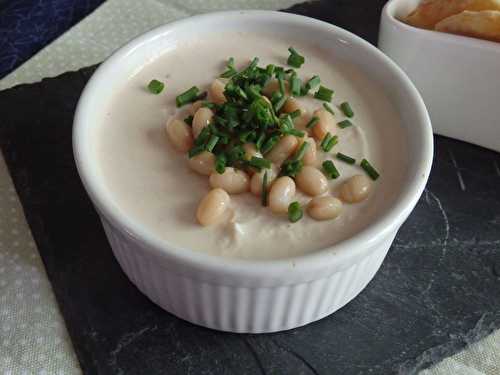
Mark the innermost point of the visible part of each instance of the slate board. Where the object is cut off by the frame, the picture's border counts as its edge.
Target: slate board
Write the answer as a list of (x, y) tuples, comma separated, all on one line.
[(438, 289)]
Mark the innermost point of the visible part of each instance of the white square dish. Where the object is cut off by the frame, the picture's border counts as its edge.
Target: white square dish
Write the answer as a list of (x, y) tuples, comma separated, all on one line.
[(457, 76)]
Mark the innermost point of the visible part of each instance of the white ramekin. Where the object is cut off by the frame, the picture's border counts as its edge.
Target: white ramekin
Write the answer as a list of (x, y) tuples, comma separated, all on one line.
[(458, 76), (241, 295)]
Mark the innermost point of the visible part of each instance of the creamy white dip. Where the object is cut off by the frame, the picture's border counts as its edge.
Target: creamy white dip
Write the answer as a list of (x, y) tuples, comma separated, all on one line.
[(152, 183)]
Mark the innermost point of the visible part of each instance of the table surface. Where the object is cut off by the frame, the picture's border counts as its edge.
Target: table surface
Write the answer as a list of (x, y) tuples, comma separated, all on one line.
[(477, 241)]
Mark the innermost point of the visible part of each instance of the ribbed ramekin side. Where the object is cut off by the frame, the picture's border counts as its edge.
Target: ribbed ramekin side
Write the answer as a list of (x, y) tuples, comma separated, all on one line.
[(242, 309)]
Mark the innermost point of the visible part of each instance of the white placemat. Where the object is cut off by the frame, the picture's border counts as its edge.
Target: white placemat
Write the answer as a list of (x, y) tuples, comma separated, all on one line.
[(33, 338)]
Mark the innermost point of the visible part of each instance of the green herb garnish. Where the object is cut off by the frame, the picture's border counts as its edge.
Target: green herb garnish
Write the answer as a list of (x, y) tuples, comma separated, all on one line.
[(328, 108), (156, 87), (294, 212), (295, 59), (295, 84), (188, 96), (220, 163), (330, 170), (368, 168), (344, 124), (324, 94), (231, 70), (345, 158), (212, 142), (312, 122), (311, 84), (259, 163), (346, 108)]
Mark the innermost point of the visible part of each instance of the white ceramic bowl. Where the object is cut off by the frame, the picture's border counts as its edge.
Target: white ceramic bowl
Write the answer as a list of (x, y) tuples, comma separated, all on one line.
[(458, 76), (241, 295)]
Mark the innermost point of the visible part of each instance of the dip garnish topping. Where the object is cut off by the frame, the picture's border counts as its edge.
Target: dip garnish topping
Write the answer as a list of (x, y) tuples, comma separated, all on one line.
[(250, 132), (294, 212), (346, 158), (370, 171), (156, 87), (330, 170), (295, 59), (346, 108)]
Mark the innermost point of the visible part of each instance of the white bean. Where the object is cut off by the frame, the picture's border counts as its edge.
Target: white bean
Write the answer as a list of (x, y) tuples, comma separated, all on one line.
[(281, 194), (311, 181), (282, 150), (274, 86), (180, 135), (326, 124), (216, 91), (234, 181), (203, 163), (212, 207), (324, 208), (258, 178), (195, 106), (355, 189), (201, 119), (292, 105)]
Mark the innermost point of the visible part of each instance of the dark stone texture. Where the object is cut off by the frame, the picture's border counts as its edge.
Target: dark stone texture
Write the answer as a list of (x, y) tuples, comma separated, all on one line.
[(437, 290)]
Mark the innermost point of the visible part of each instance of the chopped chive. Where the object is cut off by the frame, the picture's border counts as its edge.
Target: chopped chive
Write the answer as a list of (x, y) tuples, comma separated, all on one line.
[(253, 64), (294, 212), (324, 94), (299, 155), (295, 59), (188, 96), (344, 124), (332, 142), (208, 105), (330, 170), (311, 84), (196, 150), (295, 85), (263, 193), (345, 158), (189, 120), (212, 142), (269, 144), (281, 83), (259, 163), (295, 113), (260, 140), (155, 86), (280, 103), (295, 132), (312, 122), (328, 108), (346, 108), (220, 163), (203, 136), (370, 171), (231, 70), (247, 136), (325, 141), (270, 70)]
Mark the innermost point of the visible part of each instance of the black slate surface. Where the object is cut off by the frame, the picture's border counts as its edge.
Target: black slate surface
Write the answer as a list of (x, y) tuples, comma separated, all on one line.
[(438, 289)]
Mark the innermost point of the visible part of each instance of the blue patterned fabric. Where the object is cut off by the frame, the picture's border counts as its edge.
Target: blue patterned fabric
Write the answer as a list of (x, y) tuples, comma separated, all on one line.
[(26, 26)]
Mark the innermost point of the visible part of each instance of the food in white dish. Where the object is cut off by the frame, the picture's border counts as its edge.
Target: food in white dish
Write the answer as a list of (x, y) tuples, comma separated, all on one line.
[(174, 182)]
